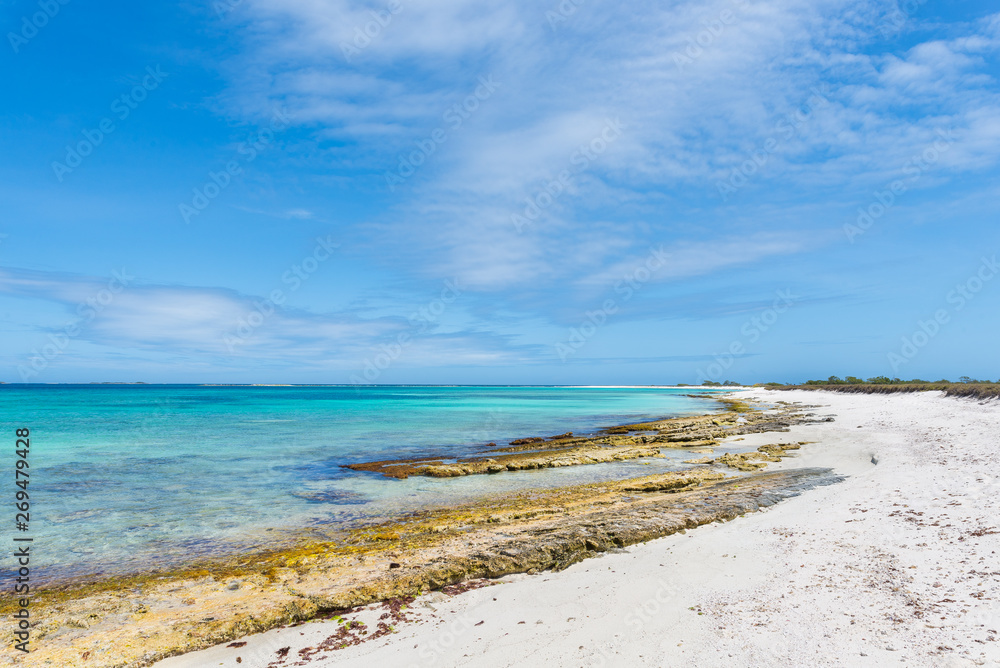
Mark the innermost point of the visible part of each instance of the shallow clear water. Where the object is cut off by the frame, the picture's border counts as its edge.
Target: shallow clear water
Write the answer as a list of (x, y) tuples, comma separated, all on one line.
[(127, 477)]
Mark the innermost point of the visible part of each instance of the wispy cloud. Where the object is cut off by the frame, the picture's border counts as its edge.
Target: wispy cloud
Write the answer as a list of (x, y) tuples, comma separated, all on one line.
[(199, 323), (699, 86), (746, 133)]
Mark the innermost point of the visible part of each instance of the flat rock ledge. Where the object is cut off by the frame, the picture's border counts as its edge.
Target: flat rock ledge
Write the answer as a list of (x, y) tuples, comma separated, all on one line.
[(136, 621), (620, 443)]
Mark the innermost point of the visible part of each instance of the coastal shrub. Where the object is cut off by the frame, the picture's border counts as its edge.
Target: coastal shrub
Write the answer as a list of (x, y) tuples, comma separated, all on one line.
[(974, 390)]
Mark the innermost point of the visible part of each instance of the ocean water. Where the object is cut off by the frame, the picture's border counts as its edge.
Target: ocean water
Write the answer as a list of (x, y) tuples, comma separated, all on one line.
[(126, 478)]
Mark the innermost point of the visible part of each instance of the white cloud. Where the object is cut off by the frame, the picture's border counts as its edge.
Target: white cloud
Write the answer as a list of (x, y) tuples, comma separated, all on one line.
[(202, 325), (688, 259), (701, 87)]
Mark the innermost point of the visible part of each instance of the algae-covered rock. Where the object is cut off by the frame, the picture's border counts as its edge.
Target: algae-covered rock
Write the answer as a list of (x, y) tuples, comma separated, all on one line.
[(748, 461), (613, 444), (777, 449), (549, 529), (686, 445)]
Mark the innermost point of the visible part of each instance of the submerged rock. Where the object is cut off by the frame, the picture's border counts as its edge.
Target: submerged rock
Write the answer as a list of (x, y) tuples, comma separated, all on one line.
[(336, 496)]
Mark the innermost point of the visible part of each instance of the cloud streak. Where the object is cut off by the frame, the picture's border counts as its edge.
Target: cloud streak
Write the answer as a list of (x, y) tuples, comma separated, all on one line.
[(699, 86)]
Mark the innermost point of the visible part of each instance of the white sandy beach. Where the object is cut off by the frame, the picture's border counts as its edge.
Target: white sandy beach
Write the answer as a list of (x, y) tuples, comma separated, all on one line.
[(899, 565)]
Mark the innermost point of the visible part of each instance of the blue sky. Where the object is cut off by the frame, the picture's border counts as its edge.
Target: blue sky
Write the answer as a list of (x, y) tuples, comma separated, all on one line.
[(498, 192)]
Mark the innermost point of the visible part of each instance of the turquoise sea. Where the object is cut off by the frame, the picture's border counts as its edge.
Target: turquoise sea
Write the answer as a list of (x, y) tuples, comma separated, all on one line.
[(132, 477)]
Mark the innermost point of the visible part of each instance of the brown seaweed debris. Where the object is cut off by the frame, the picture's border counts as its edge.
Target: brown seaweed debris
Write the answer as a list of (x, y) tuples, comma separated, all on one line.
[(353, 632), (468, 585)]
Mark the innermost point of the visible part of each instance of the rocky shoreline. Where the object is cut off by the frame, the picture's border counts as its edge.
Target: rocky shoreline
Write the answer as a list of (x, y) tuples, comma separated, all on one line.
[(136, 621), (632, 441)]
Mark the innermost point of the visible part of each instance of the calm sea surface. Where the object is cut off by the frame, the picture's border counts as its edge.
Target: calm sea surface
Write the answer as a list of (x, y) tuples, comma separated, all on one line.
[(130, 477)]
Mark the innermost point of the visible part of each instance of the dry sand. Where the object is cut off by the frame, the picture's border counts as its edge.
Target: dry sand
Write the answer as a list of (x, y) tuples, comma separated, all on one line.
[(897, 566)]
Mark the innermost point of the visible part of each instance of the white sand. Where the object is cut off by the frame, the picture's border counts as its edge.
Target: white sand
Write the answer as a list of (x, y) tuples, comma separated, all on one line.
[(883, 569)]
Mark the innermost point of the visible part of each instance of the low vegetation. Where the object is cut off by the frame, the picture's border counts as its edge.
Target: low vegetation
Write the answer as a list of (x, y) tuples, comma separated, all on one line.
[(964, 387)]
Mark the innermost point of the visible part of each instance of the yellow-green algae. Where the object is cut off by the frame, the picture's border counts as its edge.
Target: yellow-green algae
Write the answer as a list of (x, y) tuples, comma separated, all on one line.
[(619, 443), (135, 620)]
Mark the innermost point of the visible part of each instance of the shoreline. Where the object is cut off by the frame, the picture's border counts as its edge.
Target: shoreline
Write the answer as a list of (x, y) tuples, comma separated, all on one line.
[(896, 565), (699, 434), (206, 603), (268, 537), (94, 527), (291, 538), (876, 463)]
